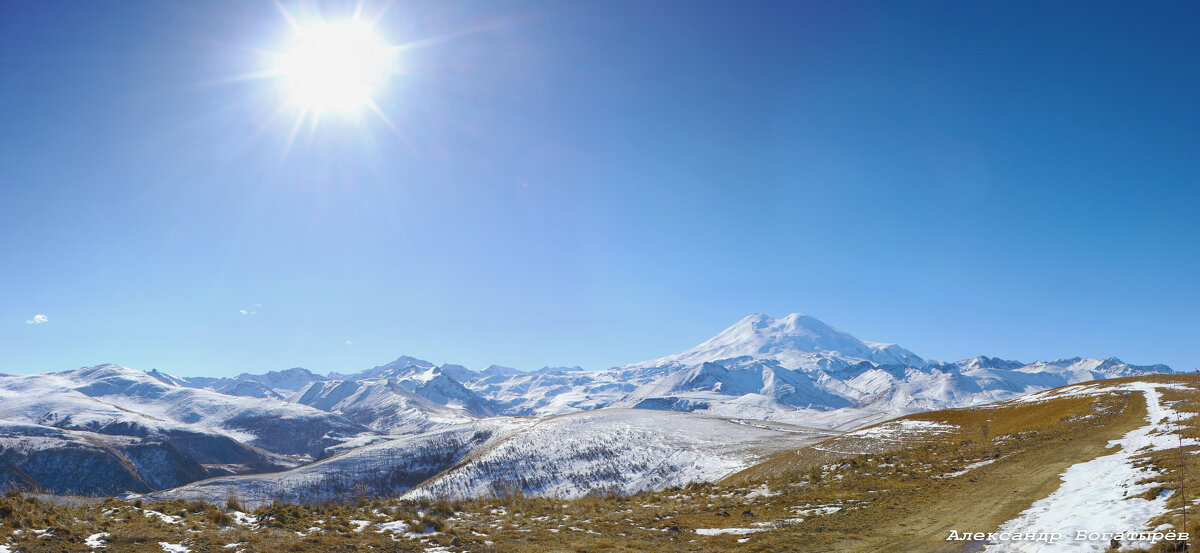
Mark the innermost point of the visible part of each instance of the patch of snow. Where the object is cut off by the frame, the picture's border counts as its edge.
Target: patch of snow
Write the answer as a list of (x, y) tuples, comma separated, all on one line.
[(815, 510), (718, 531), (243, 519), (904, 429), (165, 518), (761, 491), (968, 468), (95, 541), (397, 526), (173, 547)]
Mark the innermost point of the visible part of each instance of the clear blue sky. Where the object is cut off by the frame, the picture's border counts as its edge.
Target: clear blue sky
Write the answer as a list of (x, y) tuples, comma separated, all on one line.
[(595, 183)]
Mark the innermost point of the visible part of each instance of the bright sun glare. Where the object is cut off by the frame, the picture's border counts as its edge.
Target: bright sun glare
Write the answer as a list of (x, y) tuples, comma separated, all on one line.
[(335, 67)]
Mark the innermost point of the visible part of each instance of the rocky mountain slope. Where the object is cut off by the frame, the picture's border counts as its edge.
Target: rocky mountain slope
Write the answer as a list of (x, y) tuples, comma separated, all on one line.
[(608, 450)]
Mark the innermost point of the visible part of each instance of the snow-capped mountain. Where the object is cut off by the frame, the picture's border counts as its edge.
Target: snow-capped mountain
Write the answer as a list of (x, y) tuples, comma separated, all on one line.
[(111, 399), (406, 403), (760, 367), (797, 341), (143, 431), (148, 431)]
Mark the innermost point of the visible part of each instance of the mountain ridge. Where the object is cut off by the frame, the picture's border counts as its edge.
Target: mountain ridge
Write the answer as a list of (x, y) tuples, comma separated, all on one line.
[(759, 367), (794, 370)]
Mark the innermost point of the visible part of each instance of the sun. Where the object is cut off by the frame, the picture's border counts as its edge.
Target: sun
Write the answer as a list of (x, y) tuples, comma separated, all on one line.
[(332, 68), (335, 66)]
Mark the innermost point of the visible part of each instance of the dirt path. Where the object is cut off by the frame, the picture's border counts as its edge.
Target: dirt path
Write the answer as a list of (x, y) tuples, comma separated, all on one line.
[(984, 498)]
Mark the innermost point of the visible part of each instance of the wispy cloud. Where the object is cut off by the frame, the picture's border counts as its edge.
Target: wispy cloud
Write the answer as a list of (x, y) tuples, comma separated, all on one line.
[(37, 320), (253, 310), (348, 342)]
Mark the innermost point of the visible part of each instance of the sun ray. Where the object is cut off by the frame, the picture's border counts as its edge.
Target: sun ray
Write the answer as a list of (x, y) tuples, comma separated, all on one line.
[(378, 111), (271, 119), (288, 16), (312, 126), (299, 122), (436, 40), (251, 76), (382, 11)]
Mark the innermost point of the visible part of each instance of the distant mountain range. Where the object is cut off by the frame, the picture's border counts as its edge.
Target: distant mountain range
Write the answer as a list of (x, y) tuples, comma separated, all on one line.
[(126, 430), (761, 368)]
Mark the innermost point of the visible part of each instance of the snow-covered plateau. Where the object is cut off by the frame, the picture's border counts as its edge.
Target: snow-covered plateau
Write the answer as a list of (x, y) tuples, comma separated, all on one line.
[(412, 427)]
